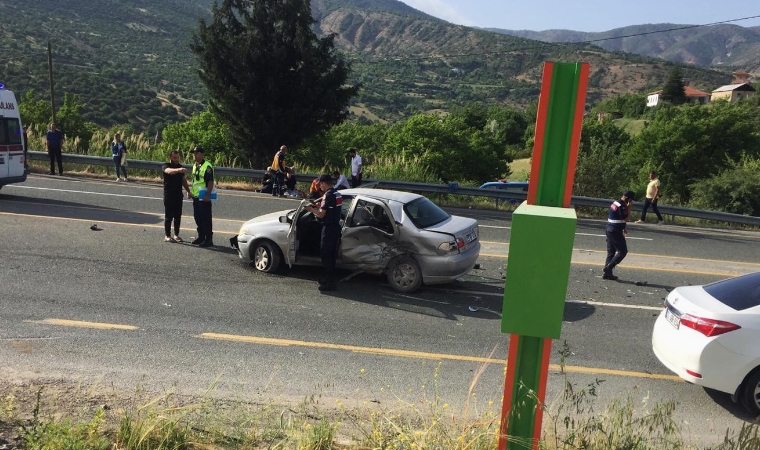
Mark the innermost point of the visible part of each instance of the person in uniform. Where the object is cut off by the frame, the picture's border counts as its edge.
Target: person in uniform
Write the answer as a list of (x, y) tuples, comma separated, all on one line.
[(203, 178), (616, 233), (327, 210)]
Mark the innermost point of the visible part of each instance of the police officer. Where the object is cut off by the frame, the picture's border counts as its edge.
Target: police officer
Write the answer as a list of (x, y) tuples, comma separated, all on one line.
[(616, 233), (203, 178), (327, 210)]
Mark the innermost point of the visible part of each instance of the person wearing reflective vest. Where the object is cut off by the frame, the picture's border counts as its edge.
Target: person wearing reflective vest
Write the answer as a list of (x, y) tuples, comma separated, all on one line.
[(616, 233), (203, 178)]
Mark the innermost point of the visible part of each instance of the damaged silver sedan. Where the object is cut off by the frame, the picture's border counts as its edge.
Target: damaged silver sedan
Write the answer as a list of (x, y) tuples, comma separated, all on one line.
[(402, 235)]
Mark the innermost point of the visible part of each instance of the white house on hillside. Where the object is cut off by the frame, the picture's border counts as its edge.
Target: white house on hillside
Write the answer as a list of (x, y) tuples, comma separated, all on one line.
[(692, 96)]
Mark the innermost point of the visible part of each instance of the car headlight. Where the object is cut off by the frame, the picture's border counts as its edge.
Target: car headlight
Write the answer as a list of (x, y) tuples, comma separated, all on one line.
[(243, 230)]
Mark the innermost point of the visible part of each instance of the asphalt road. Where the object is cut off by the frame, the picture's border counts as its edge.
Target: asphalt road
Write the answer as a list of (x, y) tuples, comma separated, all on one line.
[(121, 305)]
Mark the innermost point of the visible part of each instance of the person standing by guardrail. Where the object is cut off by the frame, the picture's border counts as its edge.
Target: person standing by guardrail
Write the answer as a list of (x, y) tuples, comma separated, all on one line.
[(53, 143), (203, 179), (653, 194), (119, 154), (173, 175), (616, 233), (280, 169), (356, 168)]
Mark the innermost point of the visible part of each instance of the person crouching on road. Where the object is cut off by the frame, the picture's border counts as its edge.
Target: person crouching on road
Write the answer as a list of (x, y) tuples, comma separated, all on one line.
[(328, 214), (174, 180), (203, 178), (616, 233)]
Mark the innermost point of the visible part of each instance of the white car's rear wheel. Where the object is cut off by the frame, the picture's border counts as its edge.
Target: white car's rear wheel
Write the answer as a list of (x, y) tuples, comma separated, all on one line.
[(404, 274), (266, 257), (751, 393)]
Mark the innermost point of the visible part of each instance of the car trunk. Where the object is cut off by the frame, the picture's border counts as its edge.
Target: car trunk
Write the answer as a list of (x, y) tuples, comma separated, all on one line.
[(462, 228)]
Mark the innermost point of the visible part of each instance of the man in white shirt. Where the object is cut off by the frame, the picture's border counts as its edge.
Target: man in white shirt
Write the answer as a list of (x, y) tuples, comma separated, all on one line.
[(356, 168), (341, 182)]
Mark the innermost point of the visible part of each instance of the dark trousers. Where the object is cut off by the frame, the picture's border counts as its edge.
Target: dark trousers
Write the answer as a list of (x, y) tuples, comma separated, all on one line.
[(648, 202), (172, 213), (278, 184), (202, 215), (617, 248), (55, 155), (117, 165), (328, 250), (356, 181)]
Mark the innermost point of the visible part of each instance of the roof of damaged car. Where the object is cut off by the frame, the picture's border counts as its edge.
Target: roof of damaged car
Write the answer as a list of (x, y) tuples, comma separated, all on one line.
[(383, 194)]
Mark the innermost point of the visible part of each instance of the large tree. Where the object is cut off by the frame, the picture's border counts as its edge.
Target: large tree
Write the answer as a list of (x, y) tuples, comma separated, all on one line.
[(673, 91), (271, 79)]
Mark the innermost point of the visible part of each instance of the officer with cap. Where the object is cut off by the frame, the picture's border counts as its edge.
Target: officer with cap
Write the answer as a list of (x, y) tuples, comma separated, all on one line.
[(616, 233), (203, 178), (327, 210)]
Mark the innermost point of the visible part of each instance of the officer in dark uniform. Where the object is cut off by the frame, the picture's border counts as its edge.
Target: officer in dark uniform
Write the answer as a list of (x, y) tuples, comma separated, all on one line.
[(616, 233), (327, 210)]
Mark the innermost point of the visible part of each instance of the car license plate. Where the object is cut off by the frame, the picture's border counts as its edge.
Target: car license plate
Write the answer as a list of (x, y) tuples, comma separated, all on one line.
[(471, 236), (672, 318)]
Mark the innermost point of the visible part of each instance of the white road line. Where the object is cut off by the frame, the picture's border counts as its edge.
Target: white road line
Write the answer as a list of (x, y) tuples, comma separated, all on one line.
[(16, 186), (577, 234), (580, 302), (601, 235)]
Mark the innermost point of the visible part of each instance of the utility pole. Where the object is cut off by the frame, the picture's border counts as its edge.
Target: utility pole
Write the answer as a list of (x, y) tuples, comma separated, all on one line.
[(52, 90)]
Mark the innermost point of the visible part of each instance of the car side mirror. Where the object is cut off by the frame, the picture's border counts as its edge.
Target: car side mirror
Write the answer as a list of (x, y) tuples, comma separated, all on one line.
[(398, 224), (284, 219)]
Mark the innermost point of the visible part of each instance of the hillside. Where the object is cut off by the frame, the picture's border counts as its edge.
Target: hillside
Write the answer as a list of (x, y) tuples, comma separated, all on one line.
[(130, 62), (718, 45)]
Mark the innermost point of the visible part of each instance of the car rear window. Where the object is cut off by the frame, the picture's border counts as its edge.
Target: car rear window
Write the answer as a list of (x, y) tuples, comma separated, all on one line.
[(739, 293), (423, 213)]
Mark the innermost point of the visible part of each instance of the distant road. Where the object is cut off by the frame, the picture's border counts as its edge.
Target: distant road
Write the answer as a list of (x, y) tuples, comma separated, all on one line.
[(122, 305)]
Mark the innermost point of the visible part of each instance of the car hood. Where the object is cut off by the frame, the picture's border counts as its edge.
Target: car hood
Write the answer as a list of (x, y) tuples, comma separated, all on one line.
[(271, 217)]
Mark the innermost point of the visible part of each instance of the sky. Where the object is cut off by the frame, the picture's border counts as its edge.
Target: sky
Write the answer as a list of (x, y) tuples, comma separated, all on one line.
[(586, 15)]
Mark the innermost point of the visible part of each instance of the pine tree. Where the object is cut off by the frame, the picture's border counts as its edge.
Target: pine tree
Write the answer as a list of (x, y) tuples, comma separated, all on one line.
[(269, 76), (673, 91)]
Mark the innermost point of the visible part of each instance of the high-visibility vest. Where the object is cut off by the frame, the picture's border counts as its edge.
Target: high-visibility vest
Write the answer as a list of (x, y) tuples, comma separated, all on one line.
[(199, 173)]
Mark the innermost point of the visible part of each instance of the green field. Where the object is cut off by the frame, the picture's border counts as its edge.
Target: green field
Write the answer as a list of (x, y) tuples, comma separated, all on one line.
[(520, 169)]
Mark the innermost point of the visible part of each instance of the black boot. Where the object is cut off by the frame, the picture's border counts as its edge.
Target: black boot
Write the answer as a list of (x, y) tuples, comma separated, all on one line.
[(199, 240), (607, 274)]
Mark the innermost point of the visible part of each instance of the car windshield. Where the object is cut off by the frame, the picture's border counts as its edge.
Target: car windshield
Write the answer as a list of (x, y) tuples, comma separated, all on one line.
[(423, 213), (739, 293)]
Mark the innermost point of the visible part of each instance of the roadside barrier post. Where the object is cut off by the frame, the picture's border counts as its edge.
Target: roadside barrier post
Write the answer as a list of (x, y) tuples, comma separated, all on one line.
[(540, 249)]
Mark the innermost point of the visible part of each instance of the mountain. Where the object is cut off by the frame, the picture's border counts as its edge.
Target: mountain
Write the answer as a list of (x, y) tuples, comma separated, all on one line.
[(716, 45), (129, 60)]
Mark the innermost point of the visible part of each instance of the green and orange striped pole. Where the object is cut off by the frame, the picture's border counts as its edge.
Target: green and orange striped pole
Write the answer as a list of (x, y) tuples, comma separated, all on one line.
[(541, 243)]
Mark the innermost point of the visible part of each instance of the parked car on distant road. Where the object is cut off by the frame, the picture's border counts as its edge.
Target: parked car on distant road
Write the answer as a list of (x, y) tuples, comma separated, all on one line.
[(509, 187), (402, 235), (710, 336)]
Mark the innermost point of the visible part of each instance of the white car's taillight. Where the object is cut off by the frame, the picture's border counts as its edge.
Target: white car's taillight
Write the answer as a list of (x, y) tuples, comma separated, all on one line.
[(708, 327)]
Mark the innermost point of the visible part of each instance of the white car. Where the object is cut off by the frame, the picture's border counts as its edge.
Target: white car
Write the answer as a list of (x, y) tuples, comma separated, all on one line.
[(710, 336), (402, 235)]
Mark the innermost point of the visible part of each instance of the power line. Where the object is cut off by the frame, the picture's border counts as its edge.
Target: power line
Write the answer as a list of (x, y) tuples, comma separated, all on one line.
[(556, 44)]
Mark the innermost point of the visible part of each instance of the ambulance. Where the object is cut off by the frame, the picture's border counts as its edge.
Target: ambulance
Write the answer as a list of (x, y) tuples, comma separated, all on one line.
[(12, 146)]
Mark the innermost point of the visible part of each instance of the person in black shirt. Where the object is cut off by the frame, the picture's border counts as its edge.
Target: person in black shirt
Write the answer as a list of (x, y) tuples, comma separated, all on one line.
[(174, 180), (328, 213)]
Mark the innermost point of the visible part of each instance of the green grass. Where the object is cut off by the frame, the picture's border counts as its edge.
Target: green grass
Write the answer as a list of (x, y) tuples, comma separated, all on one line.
[(520, 169), (631, 126)]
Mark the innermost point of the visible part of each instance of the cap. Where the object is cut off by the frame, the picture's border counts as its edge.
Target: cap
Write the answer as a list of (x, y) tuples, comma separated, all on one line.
[(630, 194), (326, 179), (198, 150)]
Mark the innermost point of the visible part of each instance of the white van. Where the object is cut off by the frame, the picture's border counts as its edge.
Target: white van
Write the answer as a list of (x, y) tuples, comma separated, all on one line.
[(12, 146)]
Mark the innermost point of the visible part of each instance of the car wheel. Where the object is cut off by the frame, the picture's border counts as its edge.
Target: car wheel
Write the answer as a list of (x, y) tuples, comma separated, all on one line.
[(404, 274), (266, 257), (751, 393)]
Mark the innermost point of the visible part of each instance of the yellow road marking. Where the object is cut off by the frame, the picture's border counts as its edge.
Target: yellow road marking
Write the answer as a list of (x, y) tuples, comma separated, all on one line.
[(107, 222), (81, 324), (423, 355), (626, 266)]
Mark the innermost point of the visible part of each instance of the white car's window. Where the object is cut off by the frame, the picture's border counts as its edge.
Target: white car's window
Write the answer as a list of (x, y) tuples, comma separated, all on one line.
[(739, 293), (423, 213), (346, 206), (371, 214)]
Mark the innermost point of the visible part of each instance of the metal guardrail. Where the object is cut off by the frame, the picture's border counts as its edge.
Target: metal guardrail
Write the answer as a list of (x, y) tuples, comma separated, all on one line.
[(451, 188)]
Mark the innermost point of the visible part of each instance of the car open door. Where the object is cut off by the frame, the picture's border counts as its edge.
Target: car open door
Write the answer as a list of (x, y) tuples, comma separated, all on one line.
[(292, 234), (369, 238)]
